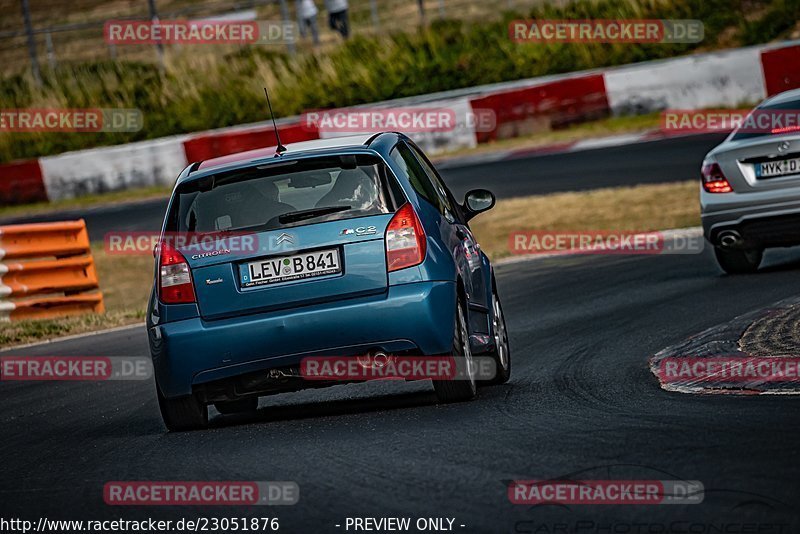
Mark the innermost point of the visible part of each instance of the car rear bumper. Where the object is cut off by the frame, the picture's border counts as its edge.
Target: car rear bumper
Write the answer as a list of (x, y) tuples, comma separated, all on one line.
[(415, 317), (772, 224)]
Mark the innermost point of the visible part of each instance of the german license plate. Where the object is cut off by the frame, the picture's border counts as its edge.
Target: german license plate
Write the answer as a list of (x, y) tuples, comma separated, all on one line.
[(288, 268), (784, 167)]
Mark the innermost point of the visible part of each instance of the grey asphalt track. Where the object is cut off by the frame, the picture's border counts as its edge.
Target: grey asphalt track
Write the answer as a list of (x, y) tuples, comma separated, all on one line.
[(581, 404)]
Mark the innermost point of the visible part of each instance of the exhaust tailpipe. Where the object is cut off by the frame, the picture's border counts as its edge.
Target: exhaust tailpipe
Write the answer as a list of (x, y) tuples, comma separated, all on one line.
[(730, 238), (277, 374), (380, 359), (374, 360)]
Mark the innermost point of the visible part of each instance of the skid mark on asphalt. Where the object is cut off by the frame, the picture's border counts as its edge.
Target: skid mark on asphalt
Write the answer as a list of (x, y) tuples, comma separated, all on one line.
[(575, 379)]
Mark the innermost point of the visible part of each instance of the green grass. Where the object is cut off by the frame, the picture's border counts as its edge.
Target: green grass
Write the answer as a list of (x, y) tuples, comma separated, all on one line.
[(22, 332), (201, 90), (779, 18), (641, 208)]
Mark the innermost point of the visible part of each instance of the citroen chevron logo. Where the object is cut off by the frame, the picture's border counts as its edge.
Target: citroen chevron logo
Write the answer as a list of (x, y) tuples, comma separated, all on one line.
[(285, 238)]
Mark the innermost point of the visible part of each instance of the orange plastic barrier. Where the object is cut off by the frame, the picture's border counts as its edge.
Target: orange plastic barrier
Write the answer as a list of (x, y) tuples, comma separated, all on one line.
[(44, 239), (56, 265)]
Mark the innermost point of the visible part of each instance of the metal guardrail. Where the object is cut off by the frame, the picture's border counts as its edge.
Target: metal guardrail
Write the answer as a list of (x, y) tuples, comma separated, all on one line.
[(56, 268)]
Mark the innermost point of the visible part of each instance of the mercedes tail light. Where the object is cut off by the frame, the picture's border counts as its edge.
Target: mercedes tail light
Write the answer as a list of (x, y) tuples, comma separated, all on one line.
[(174, 277), (405, 240), (713, 179)]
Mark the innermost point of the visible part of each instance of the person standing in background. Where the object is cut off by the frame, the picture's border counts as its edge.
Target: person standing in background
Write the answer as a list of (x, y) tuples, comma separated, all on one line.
[(337, 16), (307, 19)]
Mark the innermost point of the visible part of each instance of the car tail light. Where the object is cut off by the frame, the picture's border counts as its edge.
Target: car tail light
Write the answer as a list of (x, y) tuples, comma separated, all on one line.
[(713, 179), (405, 240), (174, 277), (785, 129)]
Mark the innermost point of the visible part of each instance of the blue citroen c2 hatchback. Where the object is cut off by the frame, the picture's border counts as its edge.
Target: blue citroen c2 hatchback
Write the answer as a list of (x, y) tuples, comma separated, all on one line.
[(350, 247)]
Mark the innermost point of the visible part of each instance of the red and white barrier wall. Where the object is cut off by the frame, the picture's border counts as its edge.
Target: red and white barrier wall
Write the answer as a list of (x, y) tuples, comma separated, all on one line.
[(22, 182), (100, 170), (720, 79), (537, 107)]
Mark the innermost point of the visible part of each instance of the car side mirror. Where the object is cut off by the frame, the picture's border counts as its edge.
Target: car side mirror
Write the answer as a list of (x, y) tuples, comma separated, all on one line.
[(478, 201)]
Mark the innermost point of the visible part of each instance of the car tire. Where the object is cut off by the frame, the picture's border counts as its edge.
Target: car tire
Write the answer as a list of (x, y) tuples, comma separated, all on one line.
[(459, 389), (501, 352), (183, 413), (249, 404), (739, 261)]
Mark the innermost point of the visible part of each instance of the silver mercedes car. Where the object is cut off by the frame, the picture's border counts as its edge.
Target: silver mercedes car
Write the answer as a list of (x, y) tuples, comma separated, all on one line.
[(750, 194)]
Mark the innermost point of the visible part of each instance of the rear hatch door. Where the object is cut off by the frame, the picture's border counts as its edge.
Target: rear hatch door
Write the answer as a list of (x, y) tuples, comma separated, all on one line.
[(293, 267), (286, 234)]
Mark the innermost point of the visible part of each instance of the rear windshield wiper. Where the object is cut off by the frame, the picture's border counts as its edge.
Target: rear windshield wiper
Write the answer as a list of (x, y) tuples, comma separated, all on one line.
[(300, 215)]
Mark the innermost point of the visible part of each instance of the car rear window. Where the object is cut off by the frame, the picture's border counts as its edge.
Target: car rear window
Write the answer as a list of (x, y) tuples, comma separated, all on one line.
[(285, 194), (790, 106)]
